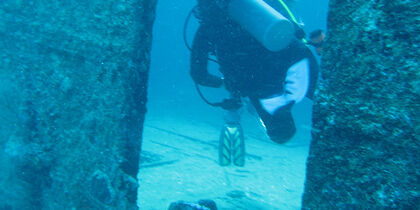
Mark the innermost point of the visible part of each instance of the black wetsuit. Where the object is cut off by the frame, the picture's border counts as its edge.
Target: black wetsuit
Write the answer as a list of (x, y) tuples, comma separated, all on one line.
[(250, 70)]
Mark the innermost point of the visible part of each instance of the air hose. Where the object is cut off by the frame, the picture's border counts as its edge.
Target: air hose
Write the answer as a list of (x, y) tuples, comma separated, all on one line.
[(218, 104), (289, 12), (185, 27)]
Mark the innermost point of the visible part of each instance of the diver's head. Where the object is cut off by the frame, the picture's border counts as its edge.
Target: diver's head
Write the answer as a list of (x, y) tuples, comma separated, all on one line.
[(316, 39)]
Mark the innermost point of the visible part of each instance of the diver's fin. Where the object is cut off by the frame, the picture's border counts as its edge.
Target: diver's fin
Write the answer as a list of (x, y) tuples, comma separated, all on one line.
[(238, 145), (225, 147), (232, 146)]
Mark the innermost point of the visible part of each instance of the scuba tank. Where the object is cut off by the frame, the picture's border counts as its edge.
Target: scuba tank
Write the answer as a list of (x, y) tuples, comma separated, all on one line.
[(268, 26), (265, 24)]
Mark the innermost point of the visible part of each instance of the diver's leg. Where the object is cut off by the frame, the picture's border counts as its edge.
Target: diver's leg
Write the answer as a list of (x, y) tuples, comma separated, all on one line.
[(279, 125), (275, 111), (232, 117)]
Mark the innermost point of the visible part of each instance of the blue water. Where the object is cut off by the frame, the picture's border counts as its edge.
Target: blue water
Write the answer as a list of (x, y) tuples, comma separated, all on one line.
[(177, 117)]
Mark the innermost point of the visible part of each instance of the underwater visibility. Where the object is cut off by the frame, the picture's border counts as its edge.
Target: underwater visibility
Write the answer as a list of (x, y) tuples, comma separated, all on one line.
[(209, 104)]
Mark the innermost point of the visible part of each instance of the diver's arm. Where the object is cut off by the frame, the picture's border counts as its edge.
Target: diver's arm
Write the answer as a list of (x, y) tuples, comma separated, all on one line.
[(199, 58), (295, 87), (300, 81)]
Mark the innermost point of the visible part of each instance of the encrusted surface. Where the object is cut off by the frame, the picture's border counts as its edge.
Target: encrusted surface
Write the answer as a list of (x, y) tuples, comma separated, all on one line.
[(366, 143), (75, 78)]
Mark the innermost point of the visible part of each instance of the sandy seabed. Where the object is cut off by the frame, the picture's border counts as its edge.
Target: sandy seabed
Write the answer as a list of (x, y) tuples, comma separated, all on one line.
[(179, 162)]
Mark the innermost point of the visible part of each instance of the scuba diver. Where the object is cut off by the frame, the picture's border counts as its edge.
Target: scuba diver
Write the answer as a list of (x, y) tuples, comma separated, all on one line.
[(262, 57)]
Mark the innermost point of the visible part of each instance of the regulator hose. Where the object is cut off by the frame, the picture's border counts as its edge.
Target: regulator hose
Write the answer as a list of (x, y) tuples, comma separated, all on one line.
[(219, 104)]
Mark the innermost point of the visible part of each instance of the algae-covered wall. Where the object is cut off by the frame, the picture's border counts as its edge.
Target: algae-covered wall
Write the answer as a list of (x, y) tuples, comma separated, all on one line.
[(366, 136), (73, 92)]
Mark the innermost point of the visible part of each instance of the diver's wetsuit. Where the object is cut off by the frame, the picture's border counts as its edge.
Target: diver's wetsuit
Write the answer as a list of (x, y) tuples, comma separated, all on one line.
[(273, 81)]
